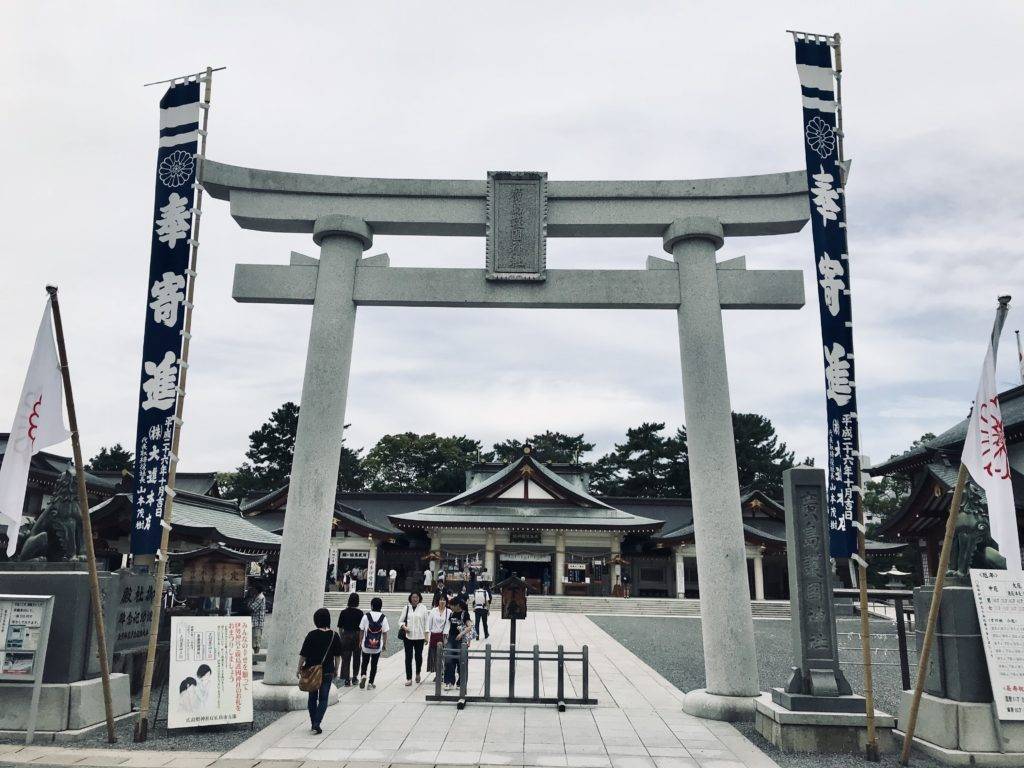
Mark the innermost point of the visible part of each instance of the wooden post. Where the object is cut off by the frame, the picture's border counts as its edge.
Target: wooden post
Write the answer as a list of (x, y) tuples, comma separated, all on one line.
[(901, 640), (871, 745), (142, 723), (83, 506), (487, 671), (933, 613), (536, 673), (586, 673)]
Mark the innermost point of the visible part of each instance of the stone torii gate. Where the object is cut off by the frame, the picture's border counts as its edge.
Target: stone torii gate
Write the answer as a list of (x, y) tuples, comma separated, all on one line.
[(516, 212)]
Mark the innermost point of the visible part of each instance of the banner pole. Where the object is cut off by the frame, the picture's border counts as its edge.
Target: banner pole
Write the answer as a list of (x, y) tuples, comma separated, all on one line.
[(83, 506), (871, 744), (142, 724), (933, 613)]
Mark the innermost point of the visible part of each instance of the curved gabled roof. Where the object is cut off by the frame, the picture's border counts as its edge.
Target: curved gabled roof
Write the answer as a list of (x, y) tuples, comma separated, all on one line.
[(567, 506)]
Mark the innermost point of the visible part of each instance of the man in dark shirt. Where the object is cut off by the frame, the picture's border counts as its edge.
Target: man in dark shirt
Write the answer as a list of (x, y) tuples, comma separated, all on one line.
[(348, 628)]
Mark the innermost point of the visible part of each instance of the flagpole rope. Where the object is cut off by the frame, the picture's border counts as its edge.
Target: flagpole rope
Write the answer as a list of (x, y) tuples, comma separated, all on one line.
[(142, 724)]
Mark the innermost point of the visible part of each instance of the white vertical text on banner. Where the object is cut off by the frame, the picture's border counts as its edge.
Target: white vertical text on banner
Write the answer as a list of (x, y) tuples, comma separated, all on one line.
[(171, 229), (832, 274)]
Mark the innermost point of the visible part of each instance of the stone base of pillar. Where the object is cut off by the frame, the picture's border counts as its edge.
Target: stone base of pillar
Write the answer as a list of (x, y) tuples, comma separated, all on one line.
[(711, 706), (283, 698)]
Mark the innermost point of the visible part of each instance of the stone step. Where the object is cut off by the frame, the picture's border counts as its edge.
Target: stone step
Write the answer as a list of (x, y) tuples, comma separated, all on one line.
[(642, 606)]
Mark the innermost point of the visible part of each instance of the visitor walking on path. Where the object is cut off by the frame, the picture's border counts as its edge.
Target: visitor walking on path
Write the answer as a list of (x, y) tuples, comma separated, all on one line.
[(258, 608), (321, 646), (481, 607), (460, 631), (437, 625), (413, 631), (373, 640), (348, 627), (428, 579), (392, 580)]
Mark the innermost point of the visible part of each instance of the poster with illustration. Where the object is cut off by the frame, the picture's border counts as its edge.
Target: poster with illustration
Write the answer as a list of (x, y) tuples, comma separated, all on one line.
[(210, 671)]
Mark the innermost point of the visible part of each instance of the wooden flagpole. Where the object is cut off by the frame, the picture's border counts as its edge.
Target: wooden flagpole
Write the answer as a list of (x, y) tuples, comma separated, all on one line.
[(871, 745), (940, 572), (142, 724), (933, 613), (83, 506)]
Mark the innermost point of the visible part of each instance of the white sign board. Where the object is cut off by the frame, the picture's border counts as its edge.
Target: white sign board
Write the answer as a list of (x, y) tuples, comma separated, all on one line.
[(24, 634), (210, 671), (999, 596)]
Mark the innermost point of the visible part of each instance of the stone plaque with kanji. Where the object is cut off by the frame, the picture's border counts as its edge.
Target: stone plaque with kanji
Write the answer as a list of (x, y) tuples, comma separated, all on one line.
[(516, 225)]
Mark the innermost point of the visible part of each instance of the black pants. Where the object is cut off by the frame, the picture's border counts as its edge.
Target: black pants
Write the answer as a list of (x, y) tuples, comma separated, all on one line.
[(413, 648), (349, 654), (372, 660), (481, 615)]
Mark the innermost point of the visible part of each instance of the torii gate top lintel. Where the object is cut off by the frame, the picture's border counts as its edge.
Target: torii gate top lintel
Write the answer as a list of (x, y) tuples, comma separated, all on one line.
[(277, 201)]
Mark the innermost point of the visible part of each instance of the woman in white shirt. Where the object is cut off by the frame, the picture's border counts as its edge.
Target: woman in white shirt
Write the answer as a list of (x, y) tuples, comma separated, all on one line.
[(413, 630), (437, 625)]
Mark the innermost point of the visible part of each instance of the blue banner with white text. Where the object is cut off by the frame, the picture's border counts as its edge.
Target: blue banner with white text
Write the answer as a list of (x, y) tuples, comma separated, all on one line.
[(832, 274), (171, 229)]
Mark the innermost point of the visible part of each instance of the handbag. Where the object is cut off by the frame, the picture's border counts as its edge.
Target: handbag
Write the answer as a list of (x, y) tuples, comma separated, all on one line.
[(312, 677), (403, 629)]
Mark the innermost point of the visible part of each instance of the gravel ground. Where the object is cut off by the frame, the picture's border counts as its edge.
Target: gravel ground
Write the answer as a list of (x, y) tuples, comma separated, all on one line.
[(215, 738), (672, 646)]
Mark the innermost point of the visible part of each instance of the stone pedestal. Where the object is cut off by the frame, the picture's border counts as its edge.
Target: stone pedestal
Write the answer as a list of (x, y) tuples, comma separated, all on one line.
[(283, 698), (963, 733), (801, 731), (66, 710), (956, 667)]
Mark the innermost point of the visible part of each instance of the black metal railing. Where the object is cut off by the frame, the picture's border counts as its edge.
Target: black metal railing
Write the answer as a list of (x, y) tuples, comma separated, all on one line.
[(896, 605), (463, 655)]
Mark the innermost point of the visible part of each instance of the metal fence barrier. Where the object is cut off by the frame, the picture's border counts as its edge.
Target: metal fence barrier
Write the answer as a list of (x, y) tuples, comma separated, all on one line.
[(489, 655), (896, 605)]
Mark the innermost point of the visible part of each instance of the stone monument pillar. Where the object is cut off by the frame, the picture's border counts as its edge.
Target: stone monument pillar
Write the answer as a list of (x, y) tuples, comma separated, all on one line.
[(311, 492), (816, 711), (727, 624)]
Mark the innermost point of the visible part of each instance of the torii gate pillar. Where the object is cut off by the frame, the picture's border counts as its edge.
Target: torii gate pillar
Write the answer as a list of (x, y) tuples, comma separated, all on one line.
[(727, 625), (314, 478)]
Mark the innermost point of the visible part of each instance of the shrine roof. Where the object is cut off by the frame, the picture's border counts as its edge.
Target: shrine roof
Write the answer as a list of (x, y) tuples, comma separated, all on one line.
[(216, 519), (1011, 405), (493, 502)]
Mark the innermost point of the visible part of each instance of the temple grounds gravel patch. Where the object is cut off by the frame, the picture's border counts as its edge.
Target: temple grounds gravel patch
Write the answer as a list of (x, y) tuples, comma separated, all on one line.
[(673, 647)]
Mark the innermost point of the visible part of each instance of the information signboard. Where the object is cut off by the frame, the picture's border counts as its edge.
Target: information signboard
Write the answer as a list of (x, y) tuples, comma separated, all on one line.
[(999, 596), (24, 632), (210, 671)]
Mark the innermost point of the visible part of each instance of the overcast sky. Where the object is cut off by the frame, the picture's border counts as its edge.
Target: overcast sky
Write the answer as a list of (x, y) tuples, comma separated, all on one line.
[(582, 90)]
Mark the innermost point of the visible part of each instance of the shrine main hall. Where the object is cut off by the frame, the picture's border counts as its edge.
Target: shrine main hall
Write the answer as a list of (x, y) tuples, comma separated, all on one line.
[(541, 522)]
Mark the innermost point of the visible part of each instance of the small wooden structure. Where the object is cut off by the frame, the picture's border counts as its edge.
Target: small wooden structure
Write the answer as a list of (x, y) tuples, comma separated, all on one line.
[(215, 571), (513, 600)]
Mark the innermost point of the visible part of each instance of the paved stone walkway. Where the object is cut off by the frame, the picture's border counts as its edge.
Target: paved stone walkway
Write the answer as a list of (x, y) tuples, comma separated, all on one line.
[(638, 722)]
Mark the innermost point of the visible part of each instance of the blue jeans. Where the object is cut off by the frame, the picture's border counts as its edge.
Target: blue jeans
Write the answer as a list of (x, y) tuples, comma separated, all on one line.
[(318, 701)]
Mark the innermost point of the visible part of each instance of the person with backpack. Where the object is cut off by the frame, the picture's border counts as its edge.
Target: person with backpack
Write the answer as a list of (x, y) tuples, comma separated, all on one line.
[(373, 640), (318, 660), (437, 625), (348, 628), (460, 632), (482, 607), (413, 631)]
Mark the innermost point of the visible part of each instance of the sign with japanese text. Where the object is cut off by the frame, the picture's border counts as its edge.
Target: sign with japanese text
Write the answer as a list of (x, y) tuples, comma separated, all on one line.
[(210, 671), (213, 577), (999, 596), (170, 229), (21, 625), (832, 274)]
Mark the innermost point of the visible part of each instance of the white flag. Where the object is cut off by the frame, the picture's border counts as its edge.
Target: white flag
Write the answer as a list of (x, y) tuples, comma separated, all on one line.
[(986, 459), (38, 424)]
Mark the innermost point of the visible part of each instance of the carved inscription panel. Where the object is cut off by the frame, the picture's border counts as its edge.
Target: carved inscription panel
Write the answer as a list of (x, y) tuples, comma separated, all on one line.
[(815, 601), (516, 225)]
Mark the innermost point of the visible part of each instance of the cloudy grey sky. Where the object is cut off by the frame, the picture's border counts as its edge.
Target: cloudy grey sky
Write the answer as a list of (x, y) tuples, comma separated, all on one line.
[(583, 90)]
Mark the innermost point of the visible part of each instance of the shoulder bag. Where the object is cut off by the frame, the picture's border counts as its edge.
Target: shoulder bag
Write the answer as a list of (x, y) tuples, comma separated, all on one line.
[(312, 676)]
